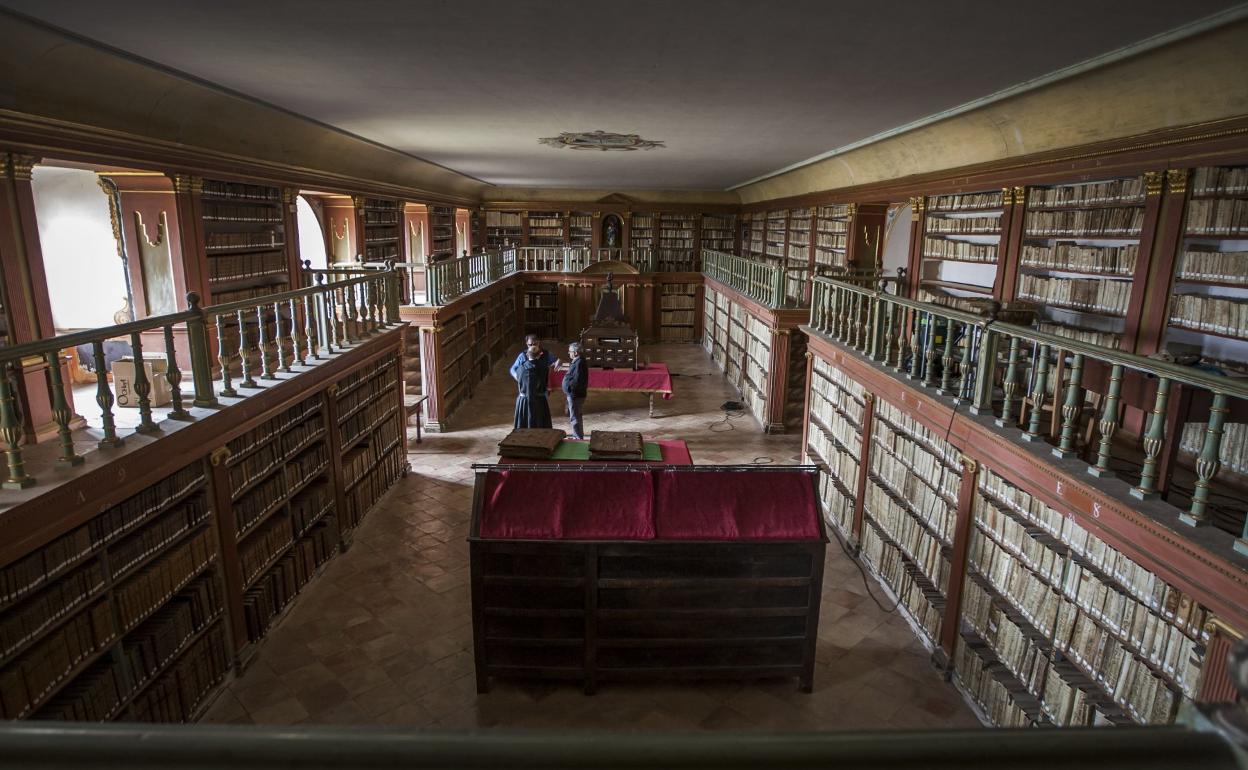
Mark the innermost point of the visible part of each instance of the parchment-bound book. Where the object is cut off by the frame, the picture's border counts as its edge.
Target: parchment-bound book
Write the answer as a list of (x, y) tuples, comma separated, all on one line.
[(531, 443)]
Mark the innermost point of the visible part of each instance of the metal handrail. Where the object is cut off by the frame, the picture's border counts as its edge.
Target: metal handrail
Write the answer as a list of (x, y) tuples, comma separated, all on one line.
[(959, 354), (291, 328)]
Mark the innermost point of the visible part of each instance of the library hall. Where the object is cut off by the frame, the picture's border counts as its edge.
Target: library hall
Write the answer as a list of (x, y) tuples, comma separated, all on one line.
[(651, 385)]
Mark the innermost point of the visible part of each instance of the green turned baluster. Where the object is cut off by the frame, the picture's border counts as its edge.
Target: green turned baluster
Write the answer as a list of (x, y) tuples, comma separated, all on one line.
[(875, 327), (965, 368), (142, 387), (1209, 462), (61, 413), (283, 364), (223, 359), (838, 298), (887, 309), (104, 397), (1009, 385), (1039, 388), (262, 337), (1108, 424), (946, 361), (902, 337), (247, 381), (174, 375), (348, 330), (929, 351), (330, 298), (916, 353), (863, 317), (309, 328), (11, 432), (1072, 408), (1154, 440), (300, 355)]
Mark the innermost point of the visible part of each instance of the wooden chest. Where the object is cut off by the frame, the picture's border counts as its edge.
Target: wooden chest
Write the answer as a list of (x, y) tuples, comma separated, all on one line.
[(609, 347)]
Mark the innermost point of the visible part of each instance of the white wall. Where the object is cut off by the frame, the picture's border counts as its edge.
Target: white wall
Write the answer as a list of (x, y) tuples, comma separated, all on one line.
[(86, 277), (896, 239)]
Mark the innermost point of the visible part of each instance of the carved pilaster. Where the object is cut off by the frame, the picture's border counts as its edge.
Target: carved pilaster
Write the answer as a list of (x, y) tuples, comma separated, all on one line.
[(1176, 181)]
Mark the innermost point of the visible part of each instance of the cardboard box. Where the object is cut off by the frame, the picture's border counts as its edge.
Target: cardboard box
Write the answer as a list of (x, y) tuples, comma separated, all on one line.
[(155, 366)]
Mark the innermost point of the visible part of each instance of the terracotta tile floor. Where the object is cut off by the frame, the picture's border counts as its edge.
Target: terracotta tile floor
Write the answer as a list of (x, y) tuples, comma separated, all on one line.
[(384, 635)]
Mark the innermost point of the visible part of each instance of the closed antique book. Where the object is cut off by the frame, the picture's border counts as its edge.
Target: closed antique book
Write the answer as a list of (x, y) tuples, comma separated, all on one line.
[(531, 443), (615, 445)]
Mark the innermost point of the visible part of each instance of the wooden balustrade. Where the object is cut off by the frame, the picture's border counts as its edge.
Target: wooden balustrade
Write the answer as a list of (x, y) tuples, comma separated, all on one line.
[(272, 337), (987, 363)]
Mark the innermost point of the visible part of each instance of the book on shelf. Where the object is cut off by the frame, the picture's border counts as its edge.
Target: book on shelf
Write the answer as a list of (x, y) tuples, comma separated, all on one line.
[(218, 189), (1201, 263), (964, 251), (966, 201), (1232, 451), (1088, 294), (503, 219), (1105, 339), (1069, 255), (963, 225), (1221, 315), (1226, 216), (1092, 223), (1220, 180), (1129, 190)]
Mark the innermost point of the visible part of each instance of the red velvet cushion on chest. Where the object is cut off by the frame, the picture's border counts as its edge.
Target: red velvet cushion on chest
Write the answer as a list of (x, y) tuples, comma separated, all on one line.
[(709, 505), (592, 505)]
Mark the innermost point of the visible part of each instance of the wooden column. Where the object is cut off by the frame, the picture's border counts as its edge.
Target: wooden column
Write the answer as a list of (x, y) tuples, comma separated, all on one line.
[(1154, 185), (914, 266), (227, 547), (962, 525), (864, 465), (26, 298), (777, 381), (431, 377), (1010, 246), (188, 212), (1160, 264)]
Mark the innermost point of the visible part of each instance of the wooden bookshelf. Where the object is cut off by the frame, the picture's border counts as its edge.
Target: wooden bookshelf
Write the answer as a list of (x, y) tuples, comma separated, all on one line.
[(1041, 614), (382, 225), (717, 232), (748, 363), (502, 228), (103, 622), (581, 229), (677, 242), (1208, 311), (244, 240), (964, 235), (798, 254), (775, 239), (641, 231), (441, 232), (545, 228), (678, 311), (371, 440), (282, 509), (1080, 258), (832, 235), (472, 339)]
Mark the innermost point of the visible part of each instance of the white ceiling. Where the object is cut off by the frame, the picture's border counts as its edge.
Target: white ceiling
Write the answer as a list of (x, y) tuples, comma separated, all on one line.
[(736, 89)]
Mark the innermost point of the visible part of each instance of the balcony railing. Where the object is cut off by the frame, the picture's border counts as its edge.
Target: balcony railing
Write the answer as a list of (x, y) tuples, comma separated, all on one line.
[(996, 368), (255, 339)]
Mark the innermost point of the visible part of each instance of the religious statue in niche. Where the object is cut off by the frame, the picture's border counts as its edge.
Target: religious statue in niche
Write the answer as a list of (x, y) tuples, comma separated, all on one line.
[(612, 231)]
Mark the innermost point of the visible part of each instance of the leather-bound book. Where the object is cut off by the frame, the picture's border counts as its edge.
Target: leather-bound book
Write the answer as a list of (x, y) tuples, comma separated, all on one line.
[(531, 443), (615, 445)]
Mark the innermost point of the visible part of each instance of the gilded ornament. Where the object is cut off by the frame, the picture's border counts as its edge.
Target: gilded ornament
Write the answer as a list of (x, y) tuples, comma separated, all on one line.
[(1152, 182), (1176, 181)]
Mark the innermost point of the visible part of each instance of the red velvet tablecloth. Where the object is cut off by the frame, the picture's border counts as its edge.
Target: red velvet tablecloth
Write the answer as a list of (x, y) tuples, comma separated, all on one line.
[(675, 452), (655, 378)]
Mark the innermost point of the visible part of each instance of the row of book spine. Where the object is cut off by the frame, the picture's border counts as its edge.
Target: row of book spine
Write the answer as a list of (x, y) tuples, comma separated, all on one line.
[(1222, 315), (1220, 180), (1110, 297), (964, 225), (219, 241), (1227, 216), (253, 192), (1112, 340), (1066, 255), (242, 212), (965, 201), (1202, 264), (1128, 190), (1092, 223), (965, 251), (236, 266)]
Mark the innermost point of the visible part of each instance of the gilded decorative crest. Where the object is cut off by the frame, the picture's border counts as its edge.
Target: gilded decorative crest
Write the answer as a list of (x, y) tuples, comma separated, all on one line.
[(599, 140)]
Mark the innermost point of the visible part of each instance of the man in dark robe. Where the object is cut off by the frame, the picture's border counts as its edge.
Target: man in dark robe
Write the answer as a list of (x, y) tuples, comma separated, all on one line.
[(532, 408)]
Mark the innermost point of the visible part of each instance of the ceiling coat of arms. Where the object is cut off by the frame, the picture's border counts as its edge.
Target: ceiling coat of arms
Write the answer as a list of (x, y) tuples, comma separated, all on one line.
[(600, 140)]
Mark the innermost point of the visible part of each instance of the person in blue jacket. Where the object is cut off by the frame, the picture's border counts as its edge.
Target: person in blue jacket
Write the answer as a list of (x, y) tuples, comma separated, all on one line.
[(532, 340)]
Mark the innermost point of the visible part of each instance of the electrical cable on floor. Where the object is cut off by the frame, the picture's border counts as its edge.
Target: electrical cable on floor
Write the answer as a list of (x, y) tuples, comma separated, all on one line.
[(730, 416)]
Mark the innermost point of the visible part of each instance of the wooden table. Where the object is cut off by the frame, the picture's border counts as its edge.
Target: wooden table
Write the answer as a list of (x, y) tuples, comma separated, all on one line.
[(651, 379)]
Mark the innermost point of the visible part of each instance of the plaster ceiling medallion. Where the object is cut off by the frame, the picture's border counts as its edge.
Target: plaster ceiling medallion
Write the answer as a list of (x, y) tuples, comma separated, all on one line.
[(599, 140)]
